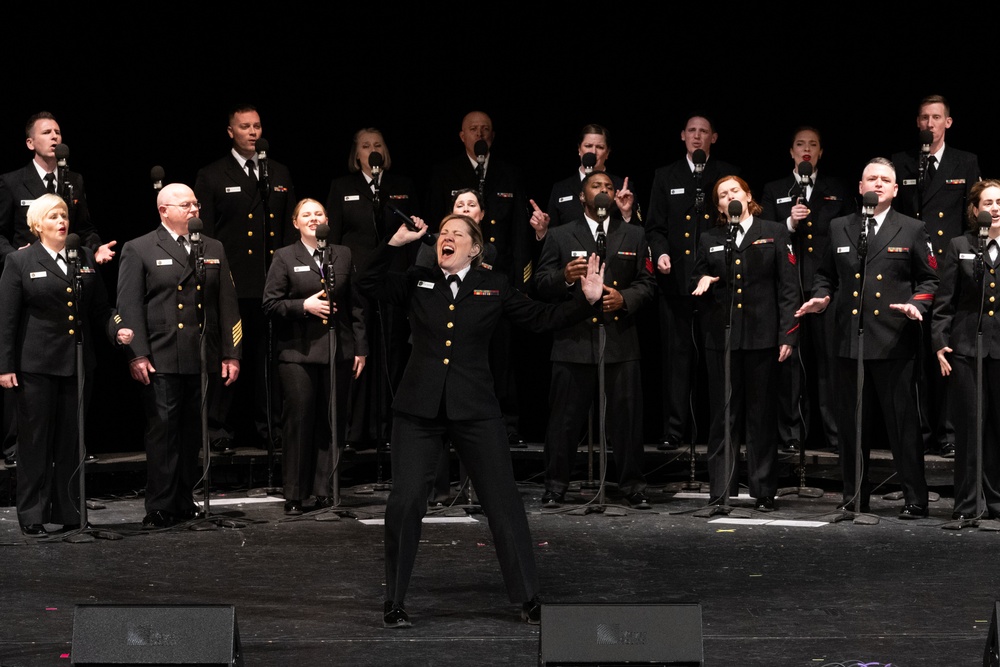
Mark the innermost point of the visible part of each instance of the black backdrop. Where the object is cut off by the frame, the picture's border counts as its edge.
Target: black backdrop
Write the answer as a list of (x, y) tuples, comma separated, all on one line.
[(148, 85)]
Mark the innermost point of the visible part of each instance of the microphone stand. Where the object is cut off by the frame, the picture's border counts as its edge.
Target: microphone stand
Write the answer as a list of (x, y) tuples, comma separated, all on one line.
[(84, 533), (859, 517), (728, 455), (329, 282), (381, 346), (264, 185)]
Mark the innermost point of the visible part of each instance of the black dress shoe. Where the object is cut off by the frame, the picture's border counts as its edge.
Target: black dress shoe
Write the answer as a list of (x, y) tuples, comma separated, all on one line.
[(913, 512), (638, 500), (158, 519), (764, 504), (515, 440), (394, 616), (958, 516), (668, 445), (33, 530), (791, 447), (223, 446), (948, 450), (293, 507), (531, 611), (10, 460), (323, 502), (553, 499)]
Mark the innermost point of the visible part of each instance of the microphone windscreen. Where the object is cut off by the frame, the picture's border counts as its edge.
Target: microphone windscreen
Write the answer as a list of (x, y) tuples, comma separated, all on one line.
[(735, 208), (984, 219), (375, 159), (262, 145), (602, 200), (195, 226), (589, 160), (62, 152), (805, 168), (73, 241), (481, 149), (322, 232), (869, 200), (156, 174), (699, 157), (926, 138)]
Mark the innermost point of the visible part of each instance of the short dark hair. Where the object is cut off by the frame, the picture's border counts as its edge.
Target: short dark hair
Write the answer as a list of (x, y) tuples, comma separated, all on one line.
[(466, 191), (239, 108), (935, 99), (807, 128), (700, 114), (30, 125)]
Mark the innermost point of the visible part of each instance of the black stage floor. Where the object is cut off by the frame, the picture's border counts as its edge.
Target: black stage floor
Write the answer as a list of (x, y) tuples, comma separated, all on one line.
[(783, 589)]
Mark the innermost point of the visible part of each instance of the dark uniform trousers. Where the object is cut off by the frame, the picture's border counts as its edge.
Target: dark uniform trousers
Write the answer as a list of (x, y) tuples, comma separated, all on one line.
[(172, 402), (963, 397)]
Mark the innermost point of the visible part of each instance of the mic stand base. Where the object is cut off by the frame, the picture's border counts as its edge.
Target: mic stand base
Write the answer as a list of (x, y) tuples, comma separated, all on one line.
[(722, 510), (932, 496)]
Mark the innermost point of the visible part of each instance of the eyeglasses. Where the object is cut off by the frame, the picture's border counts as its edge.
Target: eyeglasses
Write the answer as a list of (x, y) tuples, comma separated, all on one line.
[(187, 206)]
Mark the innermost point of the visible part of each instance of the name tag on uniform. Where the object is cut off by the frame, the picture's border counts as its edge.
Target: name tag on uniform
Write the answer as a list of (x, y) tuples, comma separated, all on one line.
[(425, 284), (762, 241), (38, 274), (717, 248), (843, 249), (301, 269), (677, 191), (234, 188), (352, 197), (27, 202), (966, 255), (783, 200), (164, 262), (486, 292), (909, 181), (578, 253), (210, 262), (569, 198)]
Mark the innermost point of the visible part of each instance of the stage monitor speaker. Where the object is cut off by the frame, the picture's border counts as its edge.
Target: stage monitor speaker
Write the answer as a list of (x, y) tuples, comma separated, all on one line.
[(621, 634), (198, 634), (991, 657)]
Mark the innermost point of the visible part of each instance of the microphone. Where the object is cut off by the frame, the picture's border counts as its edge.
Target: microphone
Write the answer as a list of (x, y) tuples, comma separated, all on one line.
[(375, 161), (978, 265), (426, 239), (735, 212), (156, 174), (73, 247), (588, 161), (985, 220), (262, 147), (481, 149), (322, 234), (195, 228), (805, 171), (926, 138), (73, 263), (62, 154), (699, 158), (602, 202), (868, 203)]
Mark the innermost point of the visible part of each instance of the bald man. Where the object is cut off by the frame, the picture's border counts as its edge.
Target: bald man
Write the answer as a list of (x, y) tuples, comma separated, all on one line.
[(159, 290)]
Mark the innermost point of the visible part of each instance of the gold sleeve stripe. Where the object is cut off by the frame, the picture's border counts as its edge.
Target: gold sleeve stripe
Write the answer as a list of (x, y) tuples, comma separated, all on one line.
[(118, 319), (528, 270), (237, 333)]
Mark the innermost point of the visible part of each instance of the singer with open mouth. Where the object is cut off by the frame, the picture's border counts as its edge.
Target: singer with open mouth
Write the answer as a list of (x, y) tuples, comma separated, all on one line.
[(42, 317), (297, 298), (745, 274), (962, 305), (447, 393)]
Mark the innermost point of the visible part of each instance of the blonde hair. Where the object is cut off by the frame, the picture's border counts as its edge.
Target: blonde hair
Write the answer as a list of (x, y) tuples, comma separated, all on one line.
[(41, 207)]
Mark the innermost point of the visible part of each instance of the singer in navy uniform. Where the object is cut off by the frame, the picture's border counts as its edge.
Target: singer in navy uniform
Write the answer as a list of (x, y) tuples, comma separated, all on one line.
[(564, 202), (760, 304), (233, 207), (628, 286), (297, 298), (356, 222), (960, 305), (159, 295), (679, 212), (38, 333), (18, 189), (900, 281), (805, 390), (447, 393), (939, 200)]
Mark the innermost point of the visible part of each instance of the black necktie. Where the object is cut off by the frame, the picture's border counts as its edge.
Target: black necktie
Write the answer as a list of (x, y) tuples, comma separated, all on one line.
[(993, 252), (251, 170), (602, 241), (61, 261), (50, 183), (183, 243), (931, 167), (454, 279)]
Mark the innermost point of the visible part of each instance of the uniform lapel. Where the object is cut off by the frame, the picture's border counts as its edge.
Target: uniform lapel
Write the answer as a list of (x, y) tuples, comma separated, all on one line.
[(45, 260), (172, 248), (886, 233)]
